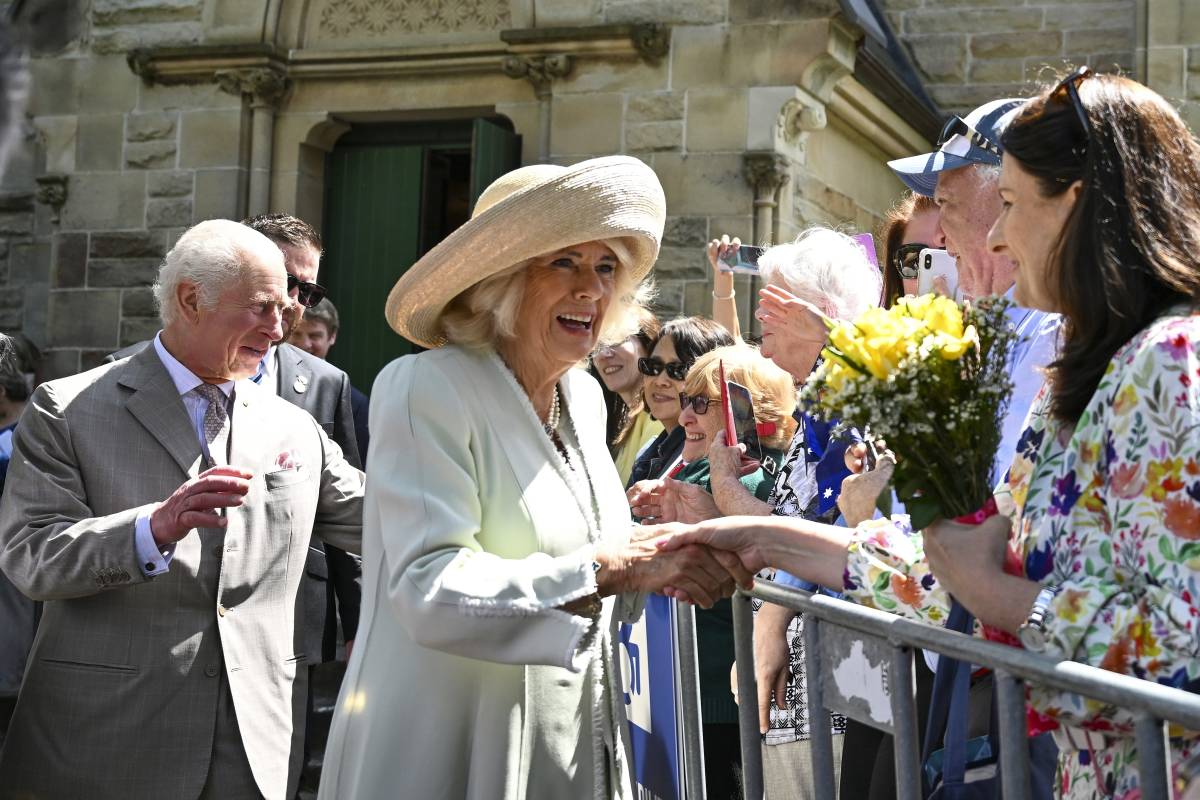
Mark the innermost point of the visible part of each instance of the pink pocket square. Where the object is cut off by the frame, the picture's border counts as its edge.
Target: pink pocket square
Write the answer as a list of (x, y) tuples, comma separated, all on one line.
[(288, 459)]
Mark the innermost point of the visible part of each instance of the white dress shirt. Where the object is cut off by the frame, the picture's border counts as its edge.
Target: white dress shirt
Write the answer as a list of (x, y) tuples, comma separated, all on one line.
[(268, 371), (155, 560)]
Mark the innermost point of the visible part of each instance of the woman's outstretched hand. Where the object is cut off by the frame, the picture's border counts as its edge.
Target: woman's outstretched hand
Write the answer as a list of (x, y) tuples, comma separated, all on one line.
[(718, 248), (719, 536), (695, 574)]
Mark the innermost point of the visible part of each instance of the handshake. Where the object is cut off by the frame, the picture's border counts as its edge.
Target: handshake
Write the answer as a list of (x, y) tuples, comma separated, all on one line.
[(697, 564)]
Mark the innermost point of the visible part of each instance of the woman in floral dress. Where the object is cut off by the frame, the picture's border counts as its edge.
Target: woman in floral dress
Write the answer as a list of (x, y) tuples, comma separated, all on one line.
[(1101, 191)]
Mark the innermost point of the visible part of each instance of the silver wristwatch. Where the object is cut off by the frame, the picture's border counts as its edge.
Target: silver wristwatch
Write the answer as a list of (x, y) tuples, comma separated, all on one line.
[(1033, 633)]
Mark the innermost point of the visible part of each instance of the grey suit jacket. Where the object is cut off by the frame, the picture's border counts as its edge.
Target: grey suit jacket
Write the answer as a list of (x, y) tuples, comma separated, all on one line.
[(121, 690), (323, 391)]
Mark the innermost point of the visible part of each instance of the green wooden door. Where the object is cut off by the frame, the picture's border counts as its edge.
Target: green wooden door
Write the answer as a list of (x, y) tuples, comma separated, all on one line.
[(494, 151), (372, 224)]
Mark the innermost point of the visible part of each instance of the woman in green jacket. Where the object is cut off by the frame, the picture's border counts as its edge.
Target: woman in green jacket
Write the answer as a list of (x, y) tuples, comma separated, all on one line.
[(774, 399)]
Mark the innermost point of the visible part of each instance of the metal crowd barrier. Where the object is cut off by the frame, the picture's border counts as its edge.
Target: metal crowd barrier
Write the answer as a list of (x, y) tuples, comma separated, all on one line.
[(860, 664)]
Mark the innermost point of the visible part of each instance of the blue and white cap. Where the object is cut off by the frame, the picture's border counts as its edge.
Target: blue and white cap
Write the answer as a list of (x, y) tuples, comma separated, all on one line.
[(973, 139)]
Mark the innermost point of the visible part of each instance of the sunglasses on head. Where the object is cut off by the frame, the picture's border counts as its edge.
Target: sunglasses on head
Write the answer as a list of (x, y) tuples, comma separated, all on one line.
[(699, 403), (310, 293), (1069, 86), (957, 126), (651, 366), (906, 259)]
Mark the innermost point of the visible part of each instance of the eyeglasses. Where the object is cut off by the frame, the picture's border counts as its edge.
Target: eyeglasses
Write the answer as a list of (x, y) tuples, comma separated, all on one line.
[(906, 259), (651, 366), (957, 126), (310, 293), (699, 403), (1070, 86)]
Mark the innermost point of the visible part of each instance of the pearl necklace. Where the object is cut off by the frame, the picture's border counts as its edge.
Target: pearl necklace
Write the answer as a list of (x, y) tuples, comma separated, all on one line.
[(551, 423)]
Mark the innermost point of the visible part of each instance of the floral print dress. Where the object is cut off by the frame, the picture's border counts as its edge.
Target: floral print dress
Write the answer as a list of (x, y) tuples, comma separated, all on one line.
[(1110, 512)]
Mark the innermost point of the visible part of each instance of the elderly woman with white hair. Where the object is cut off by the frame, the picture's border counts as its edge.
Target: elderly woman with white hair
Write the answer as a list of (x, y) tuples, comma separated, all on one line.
[(496, 535), (826, 271)]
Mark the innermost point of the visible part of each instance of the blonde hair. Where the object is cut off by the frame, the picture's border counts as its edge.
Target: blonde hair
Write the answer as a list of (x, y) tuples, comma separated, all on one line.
[(487, 312), (771, 389)]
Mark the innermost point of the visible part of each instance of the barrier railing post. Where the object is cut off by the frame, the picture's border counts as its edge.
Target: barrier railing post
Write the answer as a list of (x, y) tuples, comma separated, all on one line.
[(689, 686), (1154, 765), (906, 742), (1152, 704), (750, 738), (1014, 739), (819, 721)]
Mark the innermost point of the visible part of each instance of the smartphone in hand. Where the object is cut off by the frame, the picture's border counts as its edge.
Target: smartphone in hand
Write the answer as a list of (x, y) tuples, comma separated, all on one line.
[(743, 260), (745, 426), (933, 264)]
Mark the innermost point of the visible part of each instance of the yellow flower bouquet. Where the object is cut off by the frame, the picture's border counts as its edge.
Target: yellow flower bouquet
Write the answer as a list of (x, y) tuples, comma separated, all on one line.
[(931, 378)]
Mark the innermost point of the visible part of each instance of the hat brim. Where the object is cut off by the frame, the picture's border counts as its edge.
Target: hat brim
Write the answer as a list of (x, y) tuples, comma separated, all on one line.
[(920, 173), (603, 198)]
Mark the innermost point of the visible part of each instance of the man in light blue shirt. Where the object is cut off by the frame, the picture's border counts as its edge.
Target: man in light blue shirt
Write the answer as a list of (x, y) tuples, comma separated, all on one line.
[(962, 176)]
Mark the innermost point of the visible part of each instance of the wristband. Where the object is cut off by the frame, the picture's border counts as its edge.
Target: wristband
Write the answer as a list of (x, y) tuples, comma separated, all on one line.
[(732, 294)]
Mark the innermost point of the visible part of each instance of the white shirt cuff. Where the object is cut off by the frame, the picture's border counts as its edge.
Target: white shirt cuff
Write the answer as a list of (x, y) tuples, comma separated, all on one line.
[(152, 559)]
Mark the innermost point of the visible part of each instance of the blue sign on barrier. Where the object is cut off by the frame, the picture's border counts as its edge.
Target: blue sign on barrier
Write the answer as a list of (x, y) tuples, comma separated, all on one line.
[(648, 669)]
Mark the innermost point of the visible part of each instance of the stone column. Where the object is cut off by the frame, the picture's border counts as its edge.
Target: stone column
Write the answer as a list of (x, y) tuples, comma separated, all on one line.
[(540, 71), (766, 173), (263, 88)]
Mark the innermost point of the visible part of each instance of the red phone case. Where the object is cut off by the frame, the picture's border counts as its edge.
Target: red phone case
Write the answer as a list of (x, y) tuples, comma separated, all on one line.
[(730, 430)]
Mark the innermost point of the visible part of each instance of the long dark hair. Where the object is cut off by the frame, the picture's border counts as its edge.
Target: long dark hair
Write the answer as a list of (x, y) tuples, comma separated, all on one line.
[(1130, 247), (620, 416), (694, 336), (891, 234)]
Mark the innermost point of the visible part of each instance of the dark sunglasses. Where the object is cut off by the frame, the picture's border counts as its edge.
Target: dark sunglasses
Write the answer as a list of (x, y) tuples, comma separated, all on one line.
[(310, 293), (699, 403), (906, 259), (1070, 87), (651, 366), (957, 126)]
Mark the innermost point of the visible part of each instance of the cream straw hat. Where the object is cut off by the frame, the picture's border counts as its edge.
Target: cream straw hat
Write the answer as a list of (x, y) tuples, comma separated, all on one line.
[(527, 213)]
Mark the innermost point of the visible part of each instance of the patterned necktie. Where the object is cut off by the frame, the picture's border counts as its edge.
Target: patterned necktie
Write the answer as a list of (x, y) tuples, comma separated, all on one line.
[(216, 424)]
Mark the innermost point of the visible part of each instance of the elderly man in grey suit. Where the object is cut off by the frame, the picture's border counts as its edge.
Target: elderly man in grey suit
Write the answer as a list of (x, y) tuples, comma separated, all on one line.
[(162, 507), (322, 390)]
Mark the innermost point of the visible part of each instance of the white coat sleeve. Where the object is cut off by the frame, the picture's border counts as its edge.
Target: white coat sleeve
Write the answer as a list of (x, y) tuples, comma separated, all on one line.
[(423, 491)]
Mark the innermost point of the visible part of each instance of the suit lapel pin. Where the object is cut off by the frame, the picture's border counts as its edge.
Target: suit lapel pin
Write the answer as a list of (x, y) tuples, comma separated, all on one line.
[(301, 384)]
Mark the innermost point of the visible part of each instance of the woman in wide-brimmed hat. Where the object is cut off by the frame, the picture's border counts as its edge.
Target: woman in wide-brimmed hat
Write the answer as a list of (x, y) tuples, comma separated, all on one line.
[(496, 533)]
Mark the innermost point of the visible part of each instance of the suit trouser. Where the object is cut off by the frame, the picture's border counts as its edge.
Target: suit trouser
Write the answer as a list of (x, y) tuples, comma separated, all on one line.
[(229, 773)]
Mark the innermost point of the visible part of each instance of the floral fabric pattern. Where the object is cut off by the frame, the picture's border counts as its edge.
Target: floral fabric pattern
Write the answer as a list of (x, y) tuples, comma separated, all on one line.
[(1109, 511)]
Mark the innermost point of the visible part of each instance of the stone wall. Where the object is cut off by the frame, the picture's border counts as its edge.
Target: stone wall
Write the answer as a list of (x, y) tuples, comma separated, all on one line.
[(1169, 57), (141, 164), (972, 51), (115, 168)]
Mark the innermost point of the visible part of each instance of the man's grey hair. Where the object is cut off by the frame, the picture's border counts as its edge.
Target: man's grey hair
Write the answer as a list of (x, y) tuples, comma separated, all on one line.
[(825, 268), (212, 256)]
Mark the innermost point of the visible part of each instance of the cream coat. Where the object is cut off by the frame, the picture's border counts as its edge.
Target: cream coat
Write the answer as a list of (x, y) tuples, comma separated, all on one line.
[(474, 532)]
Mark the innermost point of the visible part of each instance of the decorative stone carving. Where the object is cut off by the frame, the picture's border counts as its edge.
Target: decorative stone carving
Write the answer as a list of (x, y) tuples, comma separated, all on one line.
[(652, 41), (797, 117), (264, 85), (538, 70), (52, 191), (341, 19), (766, 172)]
